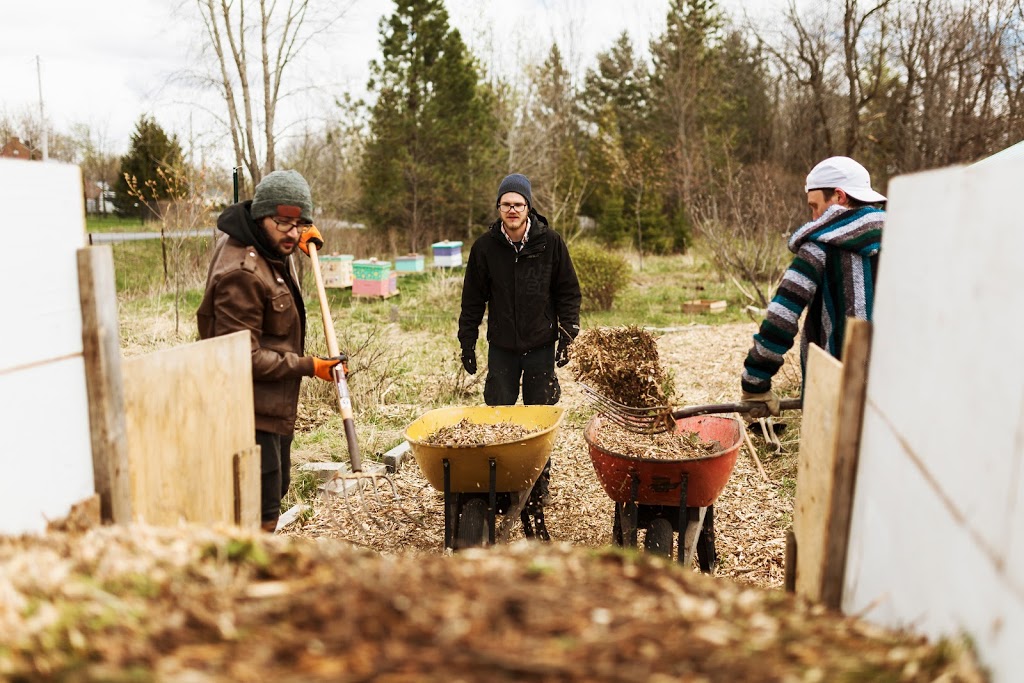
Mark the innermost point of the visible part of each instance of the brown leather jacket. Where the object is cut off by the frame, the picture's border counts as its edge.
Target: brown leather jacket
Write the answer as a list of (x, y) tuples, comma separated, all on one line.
[(248, 290)]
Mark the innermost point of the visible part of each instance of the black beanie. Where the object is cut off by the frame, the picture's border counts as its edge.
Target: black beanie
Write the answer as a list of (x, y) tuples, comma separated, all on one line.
[(518, 183)]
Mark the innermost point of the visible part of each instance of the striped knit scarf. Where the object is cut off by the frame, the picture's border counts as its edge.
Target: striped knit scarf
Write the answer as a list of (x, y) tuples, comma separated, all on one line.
[(832, 276)]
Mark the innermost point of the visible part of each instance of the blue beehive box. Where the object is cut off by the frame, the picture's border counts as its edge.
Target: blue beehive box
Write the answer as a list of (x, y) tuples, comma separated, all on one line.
[(447, 254), (410, 263)]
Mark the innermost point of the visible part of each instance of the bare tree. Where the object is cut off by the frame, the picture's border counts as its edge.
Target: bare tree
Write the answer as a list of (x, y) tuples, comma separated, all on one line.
[(251, 76)]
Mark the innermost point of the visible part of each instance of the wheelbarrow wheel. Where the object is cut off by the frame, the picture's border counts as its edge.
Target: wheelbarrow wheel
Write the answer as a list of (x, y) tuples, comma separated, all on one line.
[(472, 524), (658, 539)]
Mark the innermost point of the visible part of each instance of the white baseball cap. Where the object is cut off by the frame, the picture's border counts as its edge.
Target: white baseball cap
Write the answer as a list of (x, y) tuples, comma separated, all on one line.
[(845, 174)]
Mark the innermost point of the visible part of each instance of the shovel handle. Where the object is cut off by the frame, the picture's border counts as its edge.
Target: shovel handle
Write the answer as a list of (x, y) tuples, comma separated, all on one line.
[(745, 407), (344, 399)]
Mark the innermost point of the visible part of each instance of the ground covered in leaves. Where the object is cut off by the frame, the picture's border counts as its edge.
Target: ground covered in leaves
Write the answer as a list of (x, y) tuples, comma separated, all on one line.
[(196, 604)]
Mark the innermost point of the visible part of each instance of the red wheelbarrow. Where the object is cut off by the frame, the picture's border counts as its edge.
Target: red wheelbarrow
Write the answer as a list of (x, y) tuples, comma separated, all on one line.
[(668, 497)]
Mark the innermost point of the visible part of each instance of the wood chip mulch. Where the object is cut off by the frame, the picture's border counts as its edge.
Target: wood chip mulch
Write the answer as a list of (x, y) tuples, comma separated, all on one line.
[(467, 433), (198, 604), (664, 446), (622, 364)]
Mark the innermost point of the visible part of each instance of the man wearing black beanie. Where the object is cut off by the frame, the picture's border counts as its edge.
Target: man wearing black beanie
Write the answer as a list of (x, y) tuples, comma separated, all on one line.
[(520, 272)]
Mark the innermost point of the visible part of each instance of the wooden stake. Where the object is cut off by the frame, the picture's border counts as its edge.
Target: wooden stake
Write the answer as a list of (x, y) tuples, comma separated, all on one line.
[(753, 452)]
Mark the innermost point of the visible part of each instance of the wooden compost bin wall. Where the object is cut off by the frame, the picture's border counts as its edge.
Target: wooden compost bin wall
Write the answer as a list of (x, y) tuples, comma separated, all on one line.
[(188, 411), (47, 452), (937, 528)]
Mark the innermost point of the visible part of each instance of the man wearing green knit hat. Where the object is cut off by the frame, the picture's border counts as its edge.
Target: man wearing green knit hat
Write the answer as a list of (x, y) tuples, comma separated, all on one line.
[(251, 286)]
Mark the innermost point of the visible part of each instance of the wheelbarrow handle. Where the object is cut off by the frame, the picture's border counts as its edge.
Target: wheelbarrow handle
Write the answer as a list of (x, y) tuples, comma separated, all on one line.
[(745, 407)]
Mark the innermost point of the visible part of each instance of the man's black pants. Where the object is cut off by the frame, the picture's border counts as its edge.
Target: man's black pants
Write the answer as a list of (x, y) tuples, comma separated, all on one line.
[(535, 369), (276, 470), (540, 385)]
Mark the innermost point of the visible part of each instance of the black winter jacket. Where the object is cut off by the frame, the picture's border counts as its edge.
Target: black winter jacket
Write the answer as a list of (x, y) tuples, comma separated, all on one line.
[(531, 296)]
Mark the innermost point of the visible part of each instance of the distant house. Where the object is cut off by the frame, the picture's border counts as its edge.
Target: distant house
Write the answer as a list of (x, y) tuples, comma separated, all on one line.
[(15, 149), (99, 198)]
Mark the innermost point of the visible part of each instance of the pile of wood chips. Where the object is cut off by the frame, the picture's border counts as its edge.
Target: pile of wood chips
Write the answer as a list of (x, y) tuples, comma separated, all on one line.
[(466, 433), (135, 603), (665, 446), (622, 364)]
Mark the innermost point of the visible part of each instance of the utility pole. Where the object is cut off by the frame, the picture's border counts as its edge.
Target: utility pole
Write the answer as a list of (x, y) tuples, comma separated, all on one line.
[(42, 113)]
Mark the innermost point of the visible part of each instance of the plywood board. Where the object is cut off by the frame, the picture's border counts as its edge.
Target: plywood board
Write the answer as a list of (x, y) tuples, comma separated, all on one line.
[(47, 463), (47, 324), (819, 425), (937, 521), (188, 411)]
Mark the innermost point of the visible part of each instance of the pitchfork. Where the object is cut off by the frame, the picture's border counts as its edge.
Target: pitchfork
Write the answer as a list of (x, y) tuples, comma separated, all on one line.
[(352, 486), (658, 419)]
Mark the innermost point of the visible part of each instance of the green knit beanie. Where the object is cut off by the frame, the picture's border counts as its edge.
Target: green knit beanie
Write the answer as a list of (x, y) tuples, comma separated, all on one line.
[(282, 188)]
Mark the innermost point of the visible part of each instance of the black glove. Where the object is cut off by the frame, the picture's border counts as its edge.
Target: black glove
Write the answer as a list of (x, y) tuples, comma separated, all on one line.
[(562, 352), (469, 359)]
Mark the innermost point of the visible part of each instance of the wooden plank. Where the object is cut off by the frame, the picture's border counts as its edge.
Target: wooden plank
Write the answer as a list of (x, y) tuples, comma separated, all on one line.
[(188, 410), (247, 488), (815, 467), (856, 354), (102, 353)]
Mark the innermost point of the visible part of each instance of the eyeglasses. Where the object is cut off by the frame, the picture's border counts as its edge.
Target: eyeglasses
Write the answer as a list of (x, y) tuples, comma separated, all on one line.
[(505, 207), (286, 226)]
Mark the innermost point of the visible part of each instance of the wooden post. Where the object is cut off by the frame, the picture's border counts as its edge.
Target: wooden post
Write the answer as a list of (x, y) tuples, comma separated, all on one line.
[(102, 353), (856, 353)]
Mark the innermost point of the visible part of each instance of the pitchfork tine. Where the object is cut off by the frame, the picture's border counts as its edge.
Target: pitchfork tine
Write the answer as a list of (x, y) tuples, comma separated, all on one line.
[(650, 420)]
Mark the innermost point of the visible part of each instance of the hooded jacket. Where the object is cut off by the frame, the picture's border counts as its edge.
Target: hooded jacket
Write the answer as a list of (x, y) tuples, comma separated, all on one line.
[(833, 276), (531, 296), (249, 287)]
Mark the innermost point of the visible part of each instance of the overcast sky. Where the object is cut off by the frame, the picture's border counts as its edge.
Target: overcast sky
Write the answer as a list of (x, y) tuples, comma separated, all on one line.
[(106, 63)]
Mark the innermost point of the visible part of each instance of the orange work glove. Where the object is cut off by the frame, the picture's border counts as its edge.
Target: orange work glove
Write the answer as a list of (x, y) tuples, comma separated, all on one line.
[(322, 366), (311, 235)]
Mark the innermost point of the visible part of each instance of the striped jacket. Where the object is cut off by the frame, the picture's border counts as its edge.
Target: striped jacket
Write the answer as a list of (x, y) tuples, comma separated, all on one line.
[(833, 276)]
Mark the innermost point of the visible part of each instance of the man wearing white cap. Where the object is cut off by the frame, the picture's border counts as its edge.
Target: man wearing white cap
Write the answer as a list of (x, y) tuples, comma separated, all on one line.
[(832, 276)]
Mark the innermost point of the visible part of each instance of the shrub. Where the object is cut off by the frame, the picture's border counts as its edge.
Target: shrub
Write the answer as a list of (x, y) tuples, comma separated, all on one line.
[(602, 273)]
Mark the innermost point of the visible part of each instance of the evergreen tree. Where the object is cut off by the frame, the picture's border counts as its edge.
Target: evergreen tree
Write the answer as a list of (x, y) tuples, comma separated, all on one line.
[(623, 159), (150, 150), (429, 166)]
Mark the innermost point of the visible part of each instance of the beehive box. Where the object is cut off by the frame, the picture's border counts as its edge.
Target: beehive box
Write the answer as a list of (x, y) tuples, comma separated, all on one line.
[(410, 263), (447, 254), (382, 288), (337, 270), (704, 306), (370, 269)]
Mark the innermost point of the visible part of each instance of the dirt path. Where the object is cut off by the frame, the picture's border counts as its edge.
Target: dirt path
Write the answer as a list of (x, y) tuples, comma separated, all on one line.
[(751, 514)]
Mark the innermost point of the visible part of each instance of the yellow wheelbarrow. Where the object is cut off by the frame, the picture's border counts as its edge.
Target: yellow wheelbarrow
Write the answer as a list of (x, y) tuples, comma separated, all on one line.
[(481, 481)]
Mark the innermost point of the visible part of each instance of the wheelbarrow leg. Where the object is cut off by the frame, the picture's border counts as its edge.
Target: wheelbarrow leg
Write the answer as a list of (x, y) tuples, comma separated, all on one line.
[(451, 507), (683, 518), (707, 557), (492, 500), (532, 517), (630, 514)]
